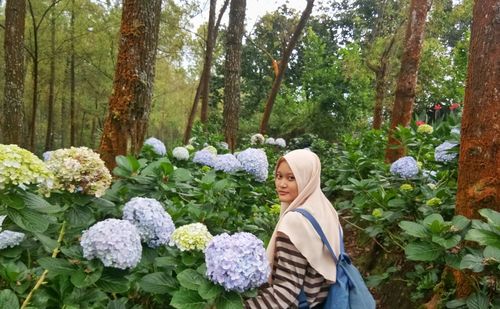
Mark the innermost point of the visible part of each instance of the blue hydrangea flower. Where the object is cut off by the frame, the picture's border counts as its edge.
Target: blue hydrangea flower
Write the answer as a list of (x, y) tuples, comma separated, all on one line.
[(204, 157), (46, 155), (405, 167), (254, 161), (115, 242), (153, 223), (180, 153), (455, 131), (442, 154), (9, 239), (280, 142), (227, 163), (238, 262), (156, 145)]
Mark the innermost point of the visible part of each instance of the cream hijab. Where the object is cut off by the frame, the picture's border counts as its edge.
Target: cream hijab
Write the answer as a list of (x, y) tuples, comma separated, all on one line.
[(306, 168)]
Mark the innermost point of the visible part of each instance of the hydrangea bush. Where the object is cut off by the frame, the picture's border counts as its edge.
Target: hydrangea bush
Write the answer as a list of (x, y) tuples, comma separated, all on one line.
[(152, 221), (115, 242), (238, 262), (79, 169)]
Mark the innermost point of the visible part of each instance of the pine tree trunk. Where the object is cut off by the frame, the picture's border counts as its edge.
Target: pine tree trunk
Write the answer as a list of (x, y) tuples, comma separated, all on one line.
[(479, 159), (12, 126), (407, 79), (49, 138), (232, 69), (283, 64), (130, 103)]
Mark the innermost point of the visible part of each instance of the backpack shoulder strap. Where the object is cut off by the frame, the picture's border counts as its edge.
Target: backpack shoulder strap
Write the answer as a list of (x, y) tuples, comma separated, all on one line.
[(321, 234)]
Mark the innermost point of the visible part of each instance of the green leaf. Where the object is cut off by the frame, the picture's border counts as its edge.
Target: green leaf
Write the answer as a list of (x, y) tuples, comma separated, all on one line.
[(57, 266), (209, 290), (478, 301), (48, 243), (456, 303), (433, 217), (230, 300), (491, 215), (29, 220), (189, 260), (128, 163), (117, 304), (190, 279), (221, 185), (167, 168), (460, 222), (113, 281), (39, 204), (473, 262), (483, 237), (86, 277), (166, 261), (447, 243), (491, 252), (396, 203), (414, 229), (8, 299), (187, 299), (80, 216), (209, 178), (102, 203), (182, 175), (157, 283), (423, 251)]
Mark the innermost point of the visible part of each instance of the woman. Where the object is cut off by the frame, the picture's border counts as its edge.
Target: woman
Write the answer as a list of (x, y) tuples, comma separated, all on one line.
[(297, 255)]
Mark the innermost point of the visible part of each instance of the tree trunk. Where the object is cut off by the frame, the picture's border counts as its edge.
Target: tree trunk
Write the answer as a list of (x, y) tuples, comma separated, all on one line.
[(232, 69), (64, 108), (407, 80), (72, 81), (479, 160), (15, 12), (204, 83), (49, 138), (130, 103), (34, 101), (283, 63)]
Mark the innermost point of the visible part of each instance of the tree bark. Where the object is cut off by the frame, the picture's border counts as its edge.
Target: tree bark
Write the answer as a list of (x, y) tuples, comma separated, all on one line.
[(130, 103), (407, 79), (479, 160), (282, 65), (49, 138), (232, 67), (204, 84), (15, 13)]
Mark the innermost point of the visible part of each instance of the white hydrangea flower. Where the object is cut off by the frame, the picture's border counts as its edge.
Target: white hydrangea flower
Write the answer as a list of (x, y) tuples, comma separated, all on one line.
[(157, 146), (115, 242), (270, 141), (280, 142), (210, 149), (180, 153), (257, 139), (194, 236), (152, 221)]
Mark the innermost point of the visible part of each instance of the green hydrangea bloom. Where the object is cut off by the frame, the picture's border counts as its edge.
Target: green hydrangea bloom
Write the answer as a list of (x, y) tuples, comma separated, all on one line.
[(435, 201), (377, 212), (79, 169), (19, 167), (406, 187), (194, 236), (211, 149), (275, 209), (425, 129)]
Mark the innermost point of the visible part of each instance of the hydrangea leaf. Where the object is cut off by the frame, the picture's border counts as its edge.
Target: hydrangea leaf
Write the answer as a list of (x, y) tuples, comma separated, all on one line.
[(478, 301), (29, 220), (113, 281), (229, 301), (492, 216), (187, 299), (414, 229), (423, 251), (157, 283), (182, 175), (57, 266), (473, 262), (86, 277), (208, 290), (484, 237), (8, 299), (190, 279)]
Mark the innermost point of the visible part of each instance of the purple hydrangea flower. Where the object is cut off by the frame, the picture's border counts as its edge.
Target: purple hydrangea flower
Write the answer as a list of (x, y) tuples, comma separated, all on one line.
[(405, 167), (227, 163), (204, 157), (157, 146), (442, 154), (115, 242), (254, 161), (238, 262), (153, 223)]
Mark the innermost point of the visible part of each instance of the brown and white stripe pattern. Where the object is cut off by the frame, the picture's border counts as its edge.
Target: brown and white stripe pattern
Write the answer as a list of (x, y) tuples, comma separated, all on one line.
[(291, 272)]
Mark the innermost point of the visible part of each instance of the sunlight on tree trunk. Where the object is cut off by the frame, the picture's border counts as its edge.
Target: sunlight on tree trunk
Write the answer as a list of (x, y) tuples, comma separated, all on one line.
[(282, 64), (12, 125), (479, 160), (407, 79), (130, 103)]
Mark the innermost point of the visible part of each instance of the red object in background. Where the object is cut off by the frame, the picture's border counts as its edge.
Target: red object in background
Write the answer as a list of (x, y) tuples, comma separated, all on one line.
[(454, 106), (437, 107), (419, 122)]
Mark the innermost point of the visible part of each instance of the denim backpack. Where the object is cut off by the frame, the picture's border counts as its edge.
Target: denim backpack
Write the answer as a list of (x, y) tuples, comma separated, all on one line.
[(349, 290)]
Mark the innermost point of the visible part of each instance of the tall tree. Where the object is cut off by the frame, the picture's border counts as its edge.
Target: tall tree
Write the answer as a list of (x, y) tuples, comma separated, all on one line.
[(407, 79), (234, 36), (479, 161), (282, 65), (15, 12), (72, 78), (204, 84), (49, 138), (130, 103)]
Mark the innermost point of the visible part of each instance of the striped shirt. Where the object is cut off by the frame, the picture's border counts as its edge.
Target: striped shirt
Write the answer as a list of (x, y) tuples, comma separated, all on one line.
[(291, 272)]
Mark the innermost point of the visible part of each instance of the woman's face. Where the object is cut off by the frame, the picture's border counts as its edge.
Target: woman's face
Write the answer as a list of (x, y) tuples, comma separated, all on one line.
[(286, 185)]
